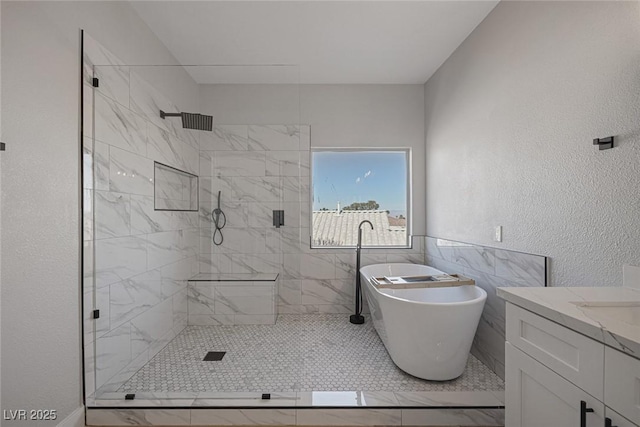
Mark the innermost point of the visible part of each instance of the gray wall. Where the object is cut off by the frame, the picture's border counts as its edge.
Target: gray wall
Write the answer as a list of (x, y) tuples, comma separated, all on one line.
[(509, 122), (339, 115), (40, 198)]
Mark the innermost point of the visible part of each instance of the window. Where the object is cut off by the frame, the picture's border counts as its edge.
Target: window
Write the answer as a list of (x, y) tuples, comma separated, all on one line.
[(353, 185)]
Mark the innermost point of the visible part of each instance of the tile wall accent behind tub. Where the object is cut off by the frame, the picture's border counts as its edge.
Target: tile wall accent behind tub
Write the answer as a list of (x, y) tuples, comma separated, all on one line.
[(136, 260), (259, 168), (490, 268)]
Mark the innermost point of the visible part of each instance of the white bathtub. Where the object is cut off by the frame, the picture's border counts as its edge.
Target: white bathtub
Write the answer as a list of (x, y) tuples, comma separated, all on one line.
[(428, 332)]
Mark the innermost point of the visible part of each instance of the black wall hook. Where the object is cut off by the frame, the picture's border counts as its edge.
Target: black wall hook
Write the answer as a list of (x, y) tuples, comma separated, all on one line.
[(604, 143), (2, 146)]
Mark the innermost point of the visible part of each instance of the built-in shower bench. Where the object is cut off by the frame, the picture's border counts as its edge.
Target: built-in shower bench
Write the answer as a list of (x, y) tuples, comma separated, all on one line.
[(232, 298)]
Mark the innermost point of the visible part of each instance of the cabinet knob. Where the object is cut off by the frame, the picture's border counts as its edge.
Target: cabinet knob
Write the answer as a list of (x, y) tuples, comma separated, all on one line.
[(584, 410)]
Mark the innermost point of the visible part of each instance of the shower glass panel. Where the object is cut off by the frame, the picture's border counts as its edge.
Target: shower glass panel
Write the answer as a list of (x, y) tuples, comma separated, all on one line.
[(178, 303)]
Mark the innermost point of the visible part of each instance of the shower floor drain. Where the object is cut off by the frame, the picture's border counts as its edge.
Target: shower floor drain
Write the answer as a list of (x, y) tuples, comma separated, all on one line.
[(214, 356)]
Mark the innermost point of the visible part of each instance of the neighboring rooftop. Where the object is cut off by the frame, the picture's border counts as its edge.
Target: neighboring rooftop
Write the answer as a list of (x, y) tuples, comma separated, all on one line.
[(397, 221), (340, 228)]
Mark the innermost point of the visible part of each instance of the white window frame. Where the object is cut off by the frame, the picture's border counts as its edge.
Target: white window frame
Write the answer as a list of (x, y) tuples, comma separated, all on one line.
[(409, 196)]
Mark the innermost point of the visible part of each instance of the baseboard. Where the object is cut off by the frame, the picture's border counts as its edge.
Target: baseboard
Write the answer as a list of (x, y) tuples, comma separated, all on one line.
[(74, 419)]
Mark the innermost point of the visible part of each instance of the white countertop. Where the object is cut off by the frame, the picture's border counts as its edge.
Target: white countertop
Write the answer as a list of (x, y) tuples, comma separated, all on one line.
[(573, 308)]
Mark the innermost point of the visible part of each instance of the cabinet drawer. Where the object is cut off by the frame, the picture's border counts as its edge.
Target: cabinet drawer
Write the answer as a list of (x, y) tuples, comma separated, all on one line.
[(573, 356), (618, 420), (538, 397), (622, 384)]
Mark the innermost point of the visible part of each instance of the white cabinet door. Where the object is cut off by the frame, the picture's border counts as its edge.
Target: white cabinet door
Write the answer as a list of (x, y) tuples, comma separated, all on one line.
[(622, 384), (575, 357), (538, 397)]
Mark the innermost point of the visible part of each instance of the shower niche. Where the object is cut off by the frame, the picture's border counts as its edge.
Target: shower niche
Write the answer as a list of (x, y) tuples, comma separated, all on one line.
[(174, 189)]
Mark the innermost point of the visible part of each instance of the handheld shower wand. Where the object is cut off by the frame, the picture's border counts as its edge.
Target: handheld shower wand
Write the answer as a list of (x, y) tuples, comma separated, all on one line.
[(357, 318), (219, 221)]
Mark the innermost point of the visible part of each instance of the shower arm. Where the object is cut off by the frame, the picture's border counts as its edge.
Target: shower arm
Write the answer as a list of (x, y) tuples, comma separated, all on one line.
[(163, 114)]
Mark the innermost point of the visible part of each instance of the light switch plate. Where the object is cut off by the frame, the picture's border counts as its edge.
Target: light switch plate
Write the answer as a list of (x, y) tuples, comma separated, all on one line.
[(497, 235)]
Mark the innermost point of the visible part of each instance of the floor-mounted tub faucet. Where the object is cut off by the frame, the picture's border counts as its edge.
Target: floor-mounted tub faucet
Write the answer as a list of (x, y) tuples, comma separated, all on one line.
[(357, 317)]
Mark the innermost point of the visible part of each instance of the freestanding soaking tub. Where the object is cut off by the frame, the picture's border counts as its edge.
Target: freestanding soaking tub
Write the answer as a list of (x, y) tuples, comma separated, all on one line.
[(428, 332)]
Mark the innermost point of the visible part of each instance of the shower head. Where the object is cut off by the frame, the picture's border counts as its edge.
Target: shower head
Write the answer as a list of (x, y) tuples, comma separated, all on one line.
[(197, 121), (192, 120)]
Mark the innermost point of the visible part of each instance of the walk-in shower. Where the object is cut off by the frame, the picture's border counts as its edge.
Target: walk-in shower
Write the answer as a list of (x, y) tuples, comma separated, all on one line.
[(173, 312), (157, 272)]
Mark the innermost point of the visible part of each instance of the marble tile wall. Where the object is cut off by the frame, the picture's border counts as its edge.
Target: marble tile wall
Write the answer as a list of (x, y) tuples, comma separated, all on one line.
[(490, 268), (136, 260), (232, 302), (362, 416), (257, 169)]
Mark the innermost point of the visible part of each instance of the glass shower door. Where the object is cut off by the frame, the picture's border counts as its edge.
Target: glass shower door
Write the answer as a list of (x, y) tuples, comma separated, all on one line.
[(159, 293)]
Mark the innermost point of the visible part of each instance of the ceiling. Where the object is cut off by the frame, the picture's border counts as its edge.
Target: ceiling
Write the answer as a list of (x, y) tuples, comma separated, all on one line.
[(322, 42)]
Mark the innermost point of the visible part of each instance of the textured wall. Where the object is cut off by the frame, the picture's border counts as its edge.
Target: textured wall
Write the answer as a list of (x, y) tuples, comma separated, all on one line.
[(509, 122), (41, 187)]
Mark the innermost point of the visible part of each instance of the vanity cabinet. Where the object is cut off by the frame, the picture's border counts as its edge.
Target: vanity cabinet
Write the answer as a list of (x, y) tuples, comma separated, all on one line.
[(617, 420), (622, 383), (558, 377), (536, 396)]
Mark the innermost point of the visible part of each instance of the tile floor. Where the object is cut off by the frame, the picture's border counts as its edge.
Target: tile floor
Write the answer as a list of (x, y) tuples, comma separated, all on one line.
[(298, 353)]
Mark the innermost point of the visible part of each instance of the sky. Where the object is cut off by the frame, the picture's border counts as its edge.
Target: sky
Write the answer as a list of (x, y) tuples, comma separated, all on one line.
[(348, 177)]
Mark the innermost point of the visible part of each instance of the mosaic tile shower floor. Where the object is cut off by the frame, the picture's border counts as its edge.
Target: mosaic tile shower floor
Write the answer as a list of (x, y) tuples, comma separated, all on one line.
[(298, 353)]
